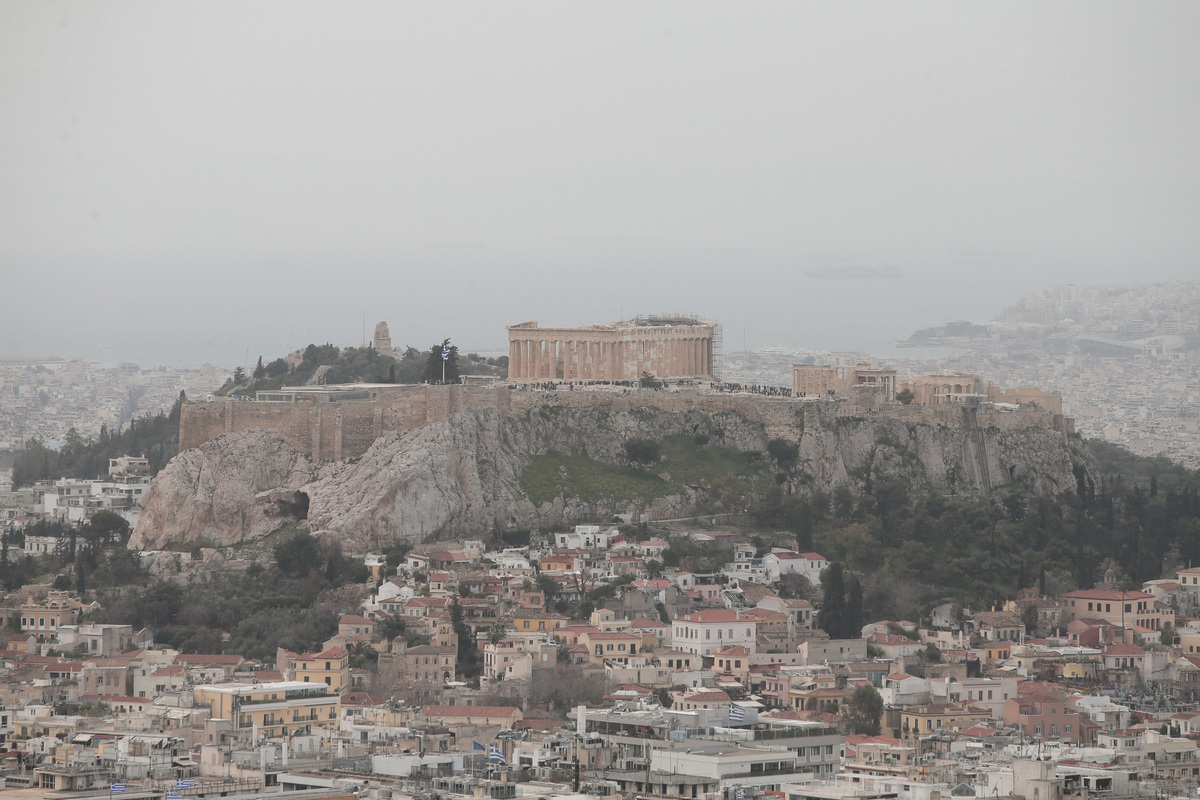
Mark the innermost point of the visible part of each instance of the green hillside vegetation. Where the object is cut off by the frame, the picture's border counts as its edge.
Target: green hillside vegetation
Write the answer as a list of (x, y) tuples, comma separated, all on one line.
[(909, 545), (732, 475), (155, 436), (294, 603), (913, 546), (352, 365), (1146, 471)]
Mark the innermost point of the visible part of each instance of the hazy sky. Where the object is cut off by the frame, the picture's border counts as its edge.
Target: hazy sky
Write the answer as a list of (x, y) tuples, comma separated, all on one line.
[(194, 180)]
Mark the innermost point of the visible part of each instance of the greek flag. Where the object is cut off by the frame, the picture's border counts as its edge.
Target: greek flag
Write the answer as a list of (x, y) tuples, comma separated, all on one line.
[(596, 777), (445, 352), (737, 714), (494, 754), (740, 794), (116, 787), (174, 795), (186, 783)]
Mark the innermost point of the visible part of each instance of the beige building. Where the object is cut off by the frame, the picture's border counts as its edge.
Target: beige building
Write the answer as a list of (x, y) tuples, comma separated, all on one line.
[(950, 386), (278, 709), (1121, 609), (330, 667), (947, 386), (816, 380), (665, 347), (43, 618)]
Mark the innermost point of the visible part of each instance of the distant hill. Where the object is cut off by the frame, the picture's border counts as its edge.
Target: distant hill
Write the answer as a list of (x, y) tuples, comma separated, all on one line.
[(951, 330)]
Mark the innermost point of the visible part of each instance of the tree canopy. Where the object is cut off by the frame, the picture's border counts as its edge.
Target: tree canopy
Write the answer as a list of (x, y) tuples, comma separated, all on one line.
[(863, 713), (155, 436), (434, 364)]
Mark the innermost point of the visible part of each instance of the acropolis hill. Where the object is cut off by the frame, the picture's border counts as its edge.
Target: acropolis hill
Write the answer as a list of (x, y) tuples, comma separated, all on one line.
[(373, 464), (342, 422)]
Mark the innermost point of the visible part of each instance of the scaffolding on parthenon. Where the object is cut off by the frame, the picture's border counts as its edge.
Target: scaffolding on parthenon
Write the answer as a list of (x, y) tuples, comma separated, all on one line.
[(648, 320), (718, 357)]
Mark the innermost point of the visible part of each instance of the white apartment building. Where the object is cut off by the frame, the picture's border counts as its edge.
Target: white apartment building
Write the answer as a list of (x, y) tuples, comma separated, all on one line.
[(585, 537), (704, 632), (778, 563)]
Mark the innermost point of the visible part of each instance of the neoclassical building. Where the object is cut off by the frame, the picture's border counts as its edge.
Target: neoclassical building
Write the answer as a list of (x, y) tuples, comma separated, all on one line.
[(665, 347), (815, 380)]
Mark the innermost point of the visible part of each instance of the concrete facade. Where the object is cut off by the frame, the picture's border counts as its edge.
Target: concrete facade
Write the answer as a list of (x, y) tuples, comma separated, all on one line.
[(623, 351)]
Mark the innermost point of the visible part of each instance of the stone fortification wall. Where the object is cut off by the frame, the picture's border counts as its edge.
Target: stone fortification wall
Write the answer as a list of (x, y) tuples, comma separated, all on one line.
[(326, 431)]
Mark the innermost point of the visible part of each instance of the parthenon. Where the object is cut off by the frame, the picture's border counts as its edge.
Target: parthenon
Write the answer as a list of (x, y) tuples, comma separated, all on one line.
[(665, 347)]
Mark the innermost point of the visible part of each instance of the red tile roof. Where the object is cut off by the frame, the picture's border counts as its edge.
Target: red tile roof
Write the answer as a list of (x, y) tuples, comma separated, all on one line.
[(1107, 594)]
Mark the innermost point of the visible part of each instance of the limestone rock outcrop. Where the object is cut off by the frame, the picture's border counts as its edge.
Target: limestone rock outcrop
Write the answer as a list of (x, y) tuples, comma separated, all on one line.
[(221, 493), (462, 478)]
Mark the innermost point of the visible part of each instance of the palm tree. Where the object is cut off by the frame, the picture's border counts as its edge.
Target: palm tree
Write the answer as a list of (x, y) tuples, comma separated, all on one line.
[(361, 654)]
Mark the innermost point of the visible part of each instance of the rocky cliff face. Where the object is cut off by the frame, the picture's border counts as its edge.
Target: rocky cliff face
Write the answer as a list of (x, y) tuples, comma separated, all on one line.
[(224, 492), (462, 477)]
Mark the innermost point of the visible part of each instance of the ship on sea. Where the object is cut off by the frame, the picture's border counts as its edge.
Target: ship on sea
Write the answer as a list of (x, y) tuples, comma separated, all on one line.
[(859, 272)]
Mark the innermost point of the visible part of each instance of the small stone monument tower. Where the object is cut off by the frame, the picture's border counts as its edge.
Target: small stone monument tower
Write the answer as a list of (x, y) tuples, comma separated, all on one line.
[(383, 340)]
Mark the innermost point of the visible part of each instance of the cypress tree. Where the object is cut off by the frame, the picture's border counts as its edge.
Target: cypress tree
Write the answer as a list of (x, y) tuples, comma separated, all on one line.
[(833, 606), (853, 622)]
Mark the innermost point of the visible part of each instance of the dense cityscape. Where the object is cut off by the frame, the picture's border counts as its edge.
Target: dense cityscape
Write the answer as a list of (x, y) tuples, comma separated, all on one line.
[(599, 401), (730, 653)]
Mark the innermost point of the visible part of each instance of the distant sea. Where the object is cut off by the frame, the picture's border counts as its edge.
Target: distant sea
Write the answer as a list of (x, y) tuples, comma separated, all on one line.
[(822, 330), (867, 316)]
